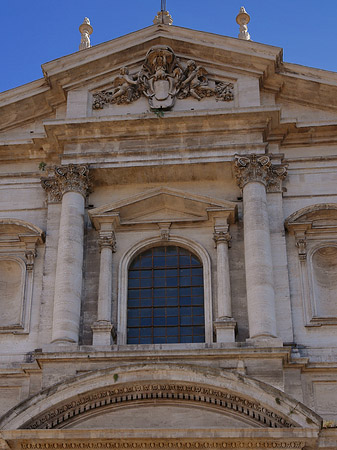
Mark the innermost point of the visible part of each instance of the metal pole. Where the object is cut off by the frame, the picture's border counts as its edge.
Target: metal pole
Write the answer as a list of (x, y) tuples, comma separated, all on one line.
[(163, 5)]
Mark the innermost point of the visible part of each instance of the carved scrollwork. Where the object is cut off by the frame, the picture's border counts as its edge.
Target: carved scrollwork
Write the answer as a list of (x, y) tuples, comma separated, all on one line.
[(70, 178), (51, 186), (163, 79), (259, 168)]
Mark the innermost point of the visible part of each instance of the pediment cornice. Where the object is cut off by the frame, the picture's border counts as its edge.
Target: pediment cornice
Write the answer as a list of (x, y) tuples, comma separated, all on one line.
[(162, 205)]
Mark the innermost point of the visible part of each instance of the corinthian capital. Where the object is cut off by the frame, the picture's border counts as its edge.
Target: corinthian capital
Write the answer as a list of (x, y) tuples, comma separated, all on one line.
[(222, 236), (70, 178), (259, 168), (107, 239)]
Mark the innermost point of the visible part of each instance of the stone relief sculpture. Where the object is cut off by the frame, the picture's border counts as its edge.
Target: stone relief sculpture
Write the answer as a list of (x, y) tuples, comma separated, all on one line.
[(163, 79)]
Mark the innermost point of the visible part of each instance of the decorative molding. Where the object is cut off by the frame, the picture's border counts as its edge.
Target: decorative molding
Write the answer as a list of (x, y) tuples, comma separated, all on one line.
[(163, 79), (69, 178), (127, 393), (107, 239), (259, 168), (181, 443)]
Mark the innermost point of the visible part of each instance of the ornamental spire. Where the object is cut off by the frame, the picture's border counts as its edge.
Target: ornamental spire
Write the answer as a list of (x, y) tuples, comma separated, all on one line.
[(163, 16), (85, 30), (243, 19)]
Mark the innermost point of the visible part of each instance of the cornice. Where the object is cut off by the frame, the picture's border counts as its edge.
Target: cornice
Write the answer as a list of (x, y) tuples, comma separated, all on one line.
[(173, 123)]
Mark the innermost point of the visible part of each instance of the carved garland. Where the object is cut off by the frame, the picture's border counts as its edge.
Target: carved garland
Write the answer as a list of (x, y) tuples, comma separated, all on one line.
[(164, 391), (161, 443), (162, 79)]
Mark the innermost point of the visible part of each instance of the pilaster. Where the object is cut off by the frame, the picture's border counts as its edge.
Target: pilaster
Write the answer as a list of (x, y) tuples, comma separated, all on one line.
[(103, 330), (224, 325)]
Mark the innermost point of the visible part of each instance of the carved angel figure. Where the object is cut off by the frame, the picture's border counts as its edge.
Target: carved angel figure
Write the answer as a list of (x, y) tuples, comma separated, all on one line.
[(124, 85), (195, 82), (125, 90)]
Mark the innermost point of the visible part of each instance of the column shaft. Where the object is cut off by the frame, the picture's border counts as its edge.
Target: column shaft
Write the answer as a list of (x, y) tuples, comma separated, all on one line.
[(223, 281), (68, 282), (105, 286), (258, 262)]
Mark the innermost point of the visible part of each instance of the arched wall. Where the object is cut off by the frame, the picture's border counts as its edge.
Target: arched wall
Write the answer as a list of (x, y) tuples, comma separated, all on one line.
[(241, 397)]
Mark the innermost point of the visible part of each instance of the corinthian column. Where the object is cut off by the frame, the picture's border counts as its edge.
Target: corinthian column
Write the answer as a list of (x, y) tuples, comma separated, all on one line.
[(254, 173), (72, 182), (103, 328)]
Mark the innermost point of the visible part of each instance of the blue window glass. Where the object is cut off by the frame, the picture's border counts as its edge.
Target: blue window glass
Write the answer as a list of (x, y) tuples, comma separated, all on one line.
[(165, 297)]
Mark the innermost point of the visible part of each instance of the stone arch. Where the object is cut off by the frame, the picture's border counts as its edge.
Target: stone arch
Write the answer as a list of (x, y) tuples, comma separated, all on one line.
[(248, 401), (125, 261)]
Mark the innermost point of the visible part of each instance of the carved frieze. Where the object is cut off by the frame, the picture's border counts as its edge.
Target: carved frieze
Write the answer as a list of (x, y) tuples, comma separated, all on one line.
[(69, 178), (173, 443), (259, 168), (163, 79)]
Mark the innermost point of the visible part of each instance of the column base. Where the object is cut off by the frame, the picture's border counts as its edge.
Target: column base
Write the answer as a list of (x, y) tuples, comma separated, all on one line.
[(265, 341), (102, 333), (225, 330)]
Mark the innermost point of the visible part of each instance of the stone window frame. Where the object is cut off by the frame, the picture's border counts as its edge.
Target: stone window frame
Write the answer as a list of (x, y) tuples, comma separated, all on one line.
[(18, 242), (123, 268), (312, 233)]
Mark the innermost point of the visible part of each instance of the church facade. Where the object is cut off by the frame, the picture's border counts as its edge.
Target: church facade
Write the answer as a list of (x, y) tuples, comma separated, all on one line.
[(168, 248)]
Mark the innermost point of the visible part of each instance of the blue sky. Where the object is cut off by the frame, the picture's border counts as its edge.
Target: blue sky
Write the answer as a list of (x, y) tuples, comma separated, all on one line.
[(37, 31)]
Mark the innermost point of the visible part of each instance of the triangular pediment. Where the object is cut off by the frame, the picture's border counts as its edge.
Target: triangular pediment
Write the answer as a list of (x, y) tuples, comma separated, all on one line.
[(162, 205)]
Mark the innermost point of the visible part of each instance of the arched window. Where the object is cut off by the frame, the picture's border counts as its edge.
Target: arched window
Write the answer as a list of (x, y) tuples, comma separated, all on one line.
[(165, 297)]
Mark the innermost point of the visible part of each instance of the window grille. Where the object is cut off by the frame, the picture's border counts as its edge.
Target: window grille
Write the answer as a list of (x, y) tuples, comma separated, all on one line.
[(165, 297)]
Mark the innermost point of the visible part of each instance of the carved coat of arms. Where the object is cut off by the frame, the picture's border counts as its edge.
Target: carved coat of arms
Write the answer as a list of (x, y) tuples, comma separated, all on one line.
[(163, 79)]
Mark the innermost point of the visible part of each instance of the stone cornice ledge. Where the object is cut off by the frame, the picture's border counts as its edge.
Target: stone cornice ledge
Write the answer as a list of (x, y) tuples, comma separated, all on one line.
[(233, 120)]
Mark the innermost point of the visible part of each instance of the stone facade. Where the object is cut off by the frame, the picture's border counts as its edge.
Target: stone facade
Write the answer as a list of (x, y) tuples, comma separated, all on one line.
[(163, 139)]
